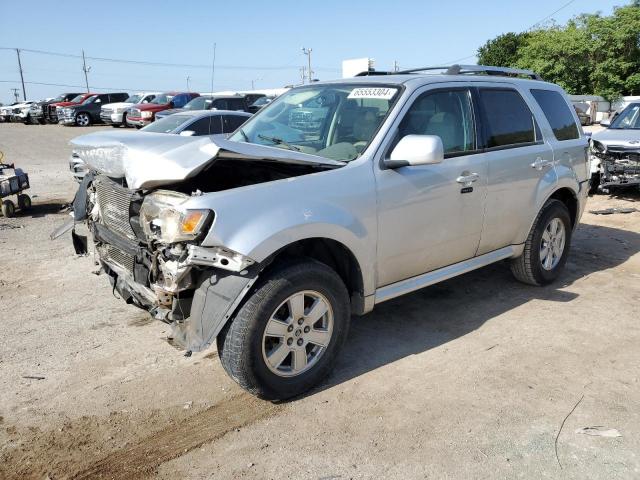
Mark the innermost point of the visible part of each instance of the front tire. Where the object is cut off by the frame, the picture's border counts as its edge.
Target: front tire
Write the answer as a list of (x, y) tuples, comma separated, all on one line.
[(286, 336), (547, 246), (83, 119), (8, 209), (24, 202)]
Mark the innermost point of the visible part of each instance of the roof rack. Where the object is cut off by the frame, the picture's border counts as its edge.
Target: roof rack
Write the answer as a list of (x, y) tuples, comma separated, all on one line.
[(475, 69)]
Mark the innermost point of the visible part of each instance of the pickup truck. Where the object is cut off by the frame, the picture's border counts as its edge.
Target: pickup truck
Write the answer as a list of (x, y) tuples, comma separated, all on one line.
[(53, 110), (38, 110), (334, 198), (144, 113), (115, 114), (88, 112)]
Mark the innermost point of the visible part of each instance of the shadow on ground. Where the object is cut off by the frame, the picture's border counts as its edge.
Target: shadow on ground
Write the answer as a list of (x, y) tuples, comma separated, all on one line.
[(435, 315)]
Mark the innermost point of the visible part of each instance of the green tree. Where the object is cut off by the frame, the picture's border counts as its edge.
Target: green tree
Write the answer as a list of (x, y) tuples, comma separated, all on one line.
[(502, 51), (591, 54)]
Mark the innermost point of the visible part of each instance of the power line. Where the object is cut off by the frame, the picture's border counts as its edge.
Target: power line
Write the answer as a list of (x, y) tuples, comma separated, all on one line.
[(550, 15), (528, 29), (164, 64)]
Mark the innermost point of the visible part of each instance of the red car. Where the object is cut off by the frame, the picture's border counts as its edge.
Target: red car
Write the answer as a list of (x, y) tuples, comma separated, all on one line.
[(144, 113), (51, 115)]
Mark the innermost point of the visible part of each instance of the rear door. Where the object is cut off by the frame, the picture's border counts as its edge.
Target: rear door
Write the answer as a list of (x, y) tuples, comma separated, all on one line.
[(569, 146), (519, 160)]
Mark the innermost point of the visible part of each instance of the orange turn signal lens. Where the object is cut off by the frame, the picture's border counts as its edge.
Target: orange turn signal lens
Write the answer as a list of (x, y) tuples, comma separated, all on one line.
[(192, 221)]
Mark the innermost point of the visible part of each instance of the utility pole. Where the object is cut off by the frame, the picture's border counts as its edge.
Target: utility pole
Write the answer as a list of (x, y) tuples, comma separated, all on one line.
[(303, 73), (396, 67), (15, 94), (188, 87), (85, 70), (24, 92), (213, 66), (307, 52)]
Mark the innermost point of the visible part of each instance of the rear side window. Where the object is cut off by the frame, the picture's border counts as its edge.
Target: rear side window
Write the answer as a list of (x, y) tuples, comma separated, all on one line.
[(200, 127), (557, 111), (508, 120), (232, 122)]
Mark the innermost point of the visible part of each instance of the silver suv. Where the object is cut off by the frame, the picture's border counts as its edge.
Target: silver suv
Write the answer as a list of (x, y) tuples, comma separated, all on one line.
[(335, 197)]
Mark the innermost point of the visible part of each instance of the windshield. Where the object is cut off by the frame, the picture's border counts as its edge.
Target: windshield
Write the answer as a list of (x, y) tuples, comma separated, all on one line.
[(77, 99), (335, 121), (133, 99), (59, 98), (89, 99), (162, 99), (199, 103), (629, 118), (167, 124)]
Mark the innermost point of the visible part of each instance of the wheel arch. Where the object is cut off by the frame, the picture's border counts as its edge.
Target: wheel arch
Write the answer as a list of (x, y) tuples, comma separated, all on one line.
[(333, 254), (567, 196)]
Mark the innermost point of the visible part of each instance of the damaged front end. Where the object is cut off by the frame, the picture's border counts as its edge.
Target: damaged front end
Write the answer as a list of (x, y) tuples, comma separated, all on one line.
[(619, 165), (147, 245), (140, 203)]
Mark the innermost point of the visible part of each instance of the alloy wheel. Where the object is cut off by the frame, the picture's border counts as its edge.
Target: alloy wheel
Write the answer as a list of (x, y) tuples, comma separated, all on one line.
[(552, 244), (297, 333)]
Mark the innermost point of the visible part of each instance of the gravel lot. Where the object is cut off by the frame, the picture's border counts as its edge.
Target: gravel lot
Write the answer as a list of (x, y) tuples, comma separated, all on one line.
[(471, 378)]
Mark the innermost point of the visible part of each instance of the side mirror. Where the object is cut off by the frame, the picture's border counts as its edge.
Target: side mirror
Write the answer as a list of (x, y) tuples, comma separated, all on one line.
[(187, 133), (605, 123), (414, 150)]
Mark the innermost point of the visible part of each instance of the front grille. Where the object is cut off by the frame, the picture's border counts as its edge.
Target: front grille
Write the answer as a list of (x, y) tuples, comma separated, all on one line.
[(114, 202), (117, 256), (107, 111)]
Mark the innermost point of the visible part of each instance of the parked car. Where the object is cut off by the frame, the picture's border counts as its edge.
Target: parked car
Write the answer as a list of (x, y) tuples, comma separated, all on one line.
[(20, 111), (207, 102), (615, 152), (54, 110), (115, 114), (141, 115), (199, 122), (259, 103), (38, 111), (6, 111), (336, 197), (88, 112)]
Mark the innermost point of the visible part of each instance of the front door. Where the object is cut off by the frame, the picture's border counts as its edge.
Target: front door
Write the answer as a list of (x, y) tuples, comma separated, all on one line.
[(431, 216)]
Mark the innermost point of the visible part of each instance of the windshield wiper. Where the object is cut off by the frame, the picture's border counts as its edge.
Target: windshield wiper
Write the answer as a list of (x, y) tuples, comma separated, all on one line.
[(279, 141), (244, 135)]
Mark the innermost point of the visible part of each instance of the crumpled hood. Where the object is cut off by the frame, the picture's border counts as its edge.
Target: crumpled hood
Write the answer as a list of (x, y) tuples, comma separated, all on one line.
[(624, 138), (149, 160)]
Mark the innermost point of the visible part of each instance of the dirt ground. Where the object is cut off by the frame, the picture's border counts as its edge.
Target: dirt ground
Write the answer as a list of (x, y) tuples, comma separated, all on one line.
[(471, 378)]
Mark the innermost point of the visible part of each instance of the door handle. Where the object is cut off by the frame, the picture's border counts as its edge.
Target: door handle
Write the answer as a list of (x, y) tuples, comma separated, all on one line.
[(541, 163), (469, 178)]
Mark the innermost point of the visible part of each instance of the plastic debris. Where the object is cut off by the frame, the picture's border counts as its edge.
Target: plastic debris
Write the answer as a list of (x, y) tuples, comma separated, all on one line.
[(598, 431)]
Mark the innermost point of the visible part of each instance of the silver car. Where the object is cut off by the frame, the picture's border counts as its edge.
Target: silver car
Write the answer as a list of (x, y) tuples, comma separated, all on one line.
[(615, 152), (335, 197)]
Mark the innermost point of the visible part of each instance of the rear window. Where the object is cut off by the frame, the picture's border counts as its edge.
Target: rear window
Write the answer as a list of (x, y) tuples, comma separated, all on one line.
[(557, 111), (508, 120)]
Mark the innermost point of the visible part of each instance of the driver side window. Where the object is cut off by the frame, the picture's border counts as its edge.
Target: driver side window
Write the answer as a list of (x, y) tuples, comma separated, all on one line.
[(445, 113)]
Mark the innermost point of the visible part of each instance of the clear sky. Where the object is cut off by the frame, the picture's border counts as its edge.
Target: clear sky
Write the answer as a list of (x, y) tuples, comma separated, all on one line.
[(256, 40)]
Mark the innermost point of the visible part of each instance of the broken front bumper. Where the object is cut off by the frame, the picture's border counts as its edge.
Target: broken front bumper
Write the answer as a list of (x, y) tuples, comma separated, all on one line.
[(620, 167), (178, 284)]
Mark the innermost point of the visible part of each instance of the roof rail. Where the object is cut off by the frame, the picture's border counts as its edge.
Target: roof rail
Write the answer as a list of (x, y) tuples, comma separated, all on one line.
[(474, 69)]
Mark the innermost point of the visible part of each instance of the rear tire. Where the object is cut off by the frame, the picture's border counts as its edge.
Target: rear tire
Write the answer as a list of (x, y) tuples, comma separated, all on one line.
[(285, 300), (547, 246), (8, 209)]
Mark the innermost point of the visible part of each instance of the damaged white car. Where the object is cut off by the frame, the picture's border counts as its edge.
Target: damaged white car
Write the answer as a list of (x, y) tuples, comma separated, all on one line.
[(335, 197)]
